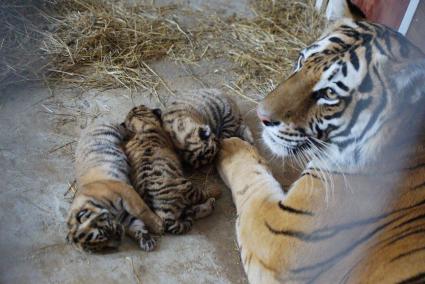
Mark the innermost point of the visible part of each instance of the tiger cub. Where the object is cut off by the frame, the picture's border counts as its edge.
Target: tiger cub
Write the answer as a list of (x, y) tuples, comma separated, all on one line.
[(105, 205), (196, 122), (157, 173)]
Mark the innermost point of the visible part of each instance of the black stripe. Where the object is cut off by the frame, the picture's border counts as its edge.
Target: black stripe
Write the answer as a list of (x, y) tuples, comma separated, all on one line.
[(342, 86), (101, 132), (407, 253), (377, 112), (415, 167), (414, 219), (337, 40), (361, 105), (293, 210), (404, 235), (418, 186), (289, 233), (417, 279), (354, 59), (380, 48), (95, 204), (363, 25), (404, 47), (344, 69), (111, 204), (366, 85), (331, 260), (344, 252)]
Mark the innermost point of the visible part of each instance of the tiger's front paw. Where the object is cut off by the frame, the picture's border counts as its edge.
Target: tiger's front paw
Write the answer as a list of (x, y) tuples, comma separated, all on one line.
[(155, 224), (147, 242)]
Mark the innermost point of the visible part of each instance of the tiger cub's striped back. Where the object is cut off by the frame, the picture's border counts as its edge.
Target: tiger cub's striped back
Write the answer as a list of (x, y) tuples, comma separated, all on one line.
[(157, 173), (99, 155), (105, 205), (196, 122)]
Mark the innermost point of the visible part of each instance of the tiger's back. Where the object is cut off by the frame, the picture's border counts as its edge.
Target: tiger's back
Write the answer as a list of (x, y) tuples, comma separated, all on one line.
[(99, 154)]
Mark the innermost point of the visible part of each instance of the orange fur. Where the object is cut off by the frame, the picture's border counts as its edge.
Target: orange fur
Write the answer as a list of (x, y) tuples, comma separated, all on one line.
[(343, 225)]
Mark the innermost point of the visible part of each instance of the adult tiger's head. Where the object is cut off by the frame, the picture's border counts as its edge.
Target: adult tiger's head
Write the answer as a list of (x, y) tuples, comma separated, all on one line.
[(194, 140), (91, 226), (351, 92)]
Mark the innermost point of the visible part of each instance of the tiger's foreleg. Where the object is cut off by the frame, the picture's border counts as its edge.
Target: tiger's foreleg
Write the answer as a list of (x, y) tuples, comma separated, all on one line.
[(137, 230), (265, 213), (137, 207)]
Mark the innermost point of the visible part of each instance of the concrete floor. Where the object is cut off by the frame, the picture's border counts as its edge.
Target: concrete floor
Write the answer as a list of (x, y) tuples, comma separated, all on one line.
[(39, 130)]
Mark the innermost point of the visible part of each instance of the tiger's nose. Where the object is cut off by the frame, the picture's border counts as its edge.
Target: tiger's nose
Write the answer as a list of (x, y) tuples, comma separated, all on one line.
[(266, 120)]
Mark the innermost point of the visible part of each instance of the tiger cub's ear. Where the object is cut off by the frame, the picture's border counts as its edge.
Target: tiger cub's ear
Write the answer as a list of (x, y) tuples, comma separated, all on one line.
[(126, 131), (157, 112), (204, 132)]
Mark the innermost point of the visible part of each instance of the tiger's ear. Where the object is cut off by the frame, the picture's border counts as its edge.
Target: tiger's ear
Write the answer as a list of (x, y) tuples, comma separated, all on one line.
[(353, 11), (126, 131), (157, 112), (337, 9), (204, 132), (409, 82)]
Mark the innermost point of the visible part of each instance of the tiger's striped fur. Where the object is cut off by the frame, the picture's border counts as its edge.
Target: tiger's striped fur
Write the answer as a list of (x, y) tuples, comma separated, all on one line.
[(105, 205), (157, 173), (197, 121), (353, 112), (373, 232)]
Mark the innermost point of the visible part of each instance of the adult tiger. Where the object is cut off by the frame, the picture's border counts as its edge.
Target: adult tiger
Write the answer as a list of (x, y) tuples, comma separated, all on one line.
[(353, 110)]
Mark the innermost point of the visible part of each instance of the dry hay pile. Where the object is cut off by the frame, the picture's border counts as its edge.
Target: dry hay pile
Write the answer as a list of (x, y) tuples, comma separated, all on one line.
[(108, 44), (104, 44), (265, 47)]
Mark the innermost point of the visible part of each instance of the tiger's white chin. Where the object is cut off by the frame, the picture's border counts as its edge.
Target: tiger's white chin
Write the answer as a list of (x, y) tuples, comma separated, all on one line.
[(279, 149)]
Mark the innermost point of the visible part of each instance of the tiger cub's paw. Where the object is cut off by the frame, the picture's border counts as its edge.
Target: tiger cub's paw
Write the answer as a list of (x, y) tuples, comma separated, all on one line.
[(147, 242), (179, 227), (204, 209)]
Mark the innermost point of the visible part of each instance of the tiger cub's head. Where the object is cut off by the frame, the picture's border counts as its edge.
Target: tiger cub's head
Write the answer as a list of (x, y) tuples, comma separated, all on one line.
[(91, 226), (350, 94), (194, 140), (142, 118)]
